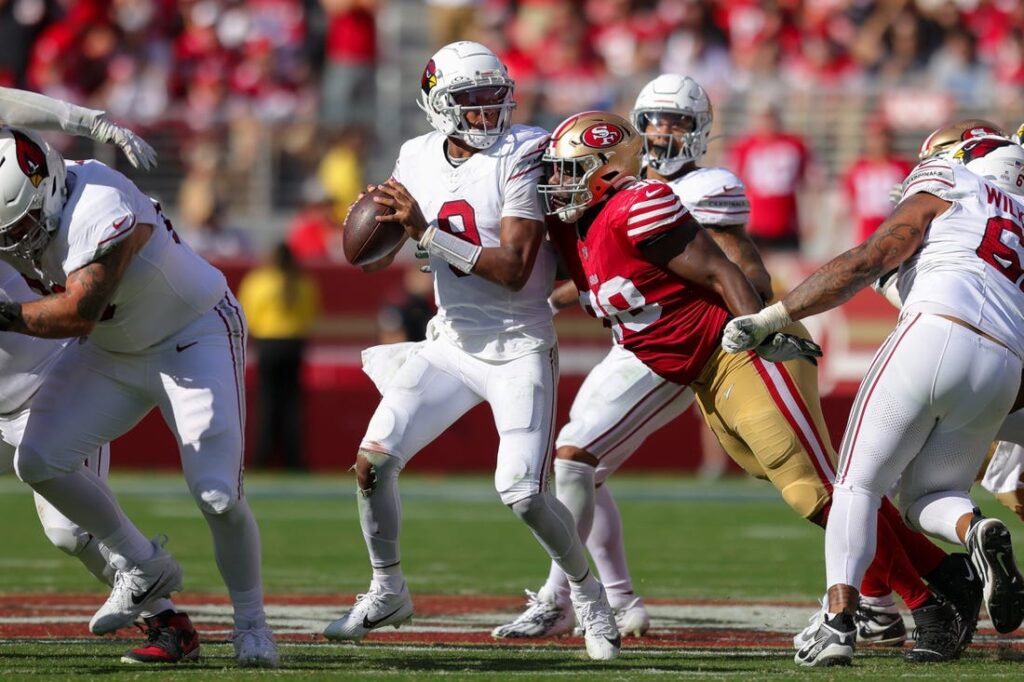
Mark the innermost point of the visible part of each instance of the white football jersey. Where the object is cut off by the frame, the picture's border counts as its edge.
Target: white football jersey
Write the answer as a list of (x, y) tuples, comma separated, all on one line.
[(713, 196), (469, 200), (24, 360), (971, 263), (166, 285)]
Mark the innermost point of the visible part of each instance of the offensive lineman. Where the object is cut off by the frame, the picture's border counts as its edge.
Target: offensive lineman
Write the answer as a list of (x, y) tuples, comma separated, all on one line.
[(162, 330), (467, 194), (942, 384), (655, 276)]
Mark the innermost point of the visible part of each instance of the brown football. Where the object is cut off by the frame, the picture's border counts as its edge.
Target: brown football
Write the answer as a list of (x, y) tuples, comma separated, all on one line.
[(364, 239)]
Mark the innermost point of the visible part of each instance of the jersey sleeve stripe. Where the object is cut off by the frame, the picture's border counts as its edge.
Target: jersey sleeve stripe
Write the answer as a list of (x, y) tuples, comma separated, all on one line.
[(926, 180), (653, 213), (672, 219), (701, 209), (528, 170), (640, 205)]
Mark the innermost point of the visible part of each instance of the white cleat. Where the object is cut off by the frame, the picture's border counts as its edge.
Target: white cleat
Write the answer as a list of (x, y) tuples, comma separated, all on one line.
[(598, 623), (372, 610), (136, 588), (802, 638), (632, 620), (255, 648), (543, 617)]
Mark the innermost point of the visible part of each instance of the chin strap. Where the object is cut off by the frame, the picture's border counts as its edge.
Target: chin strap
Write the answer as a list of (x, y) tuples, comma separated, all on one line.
[(458, 253)]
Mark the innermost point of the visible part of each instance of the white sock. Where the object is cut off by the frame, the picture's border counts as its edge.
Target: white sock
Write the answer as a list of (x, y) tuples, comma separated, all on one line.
[(553, 526), (389, 578), (608, 550), (236, 548), (86, 501), (885, 602), (850, 536), (574, 487), (380, 514)]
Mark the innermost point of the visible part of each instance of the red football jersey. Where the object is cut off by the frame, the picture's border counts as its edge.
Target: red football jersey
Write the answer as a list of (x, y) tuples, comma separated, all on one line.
[(672, 325)]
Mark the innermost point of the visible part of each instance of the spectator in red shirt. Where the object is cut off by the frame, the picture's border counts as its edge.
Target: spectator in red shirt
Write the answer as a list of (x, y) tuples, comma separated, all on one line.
[(348, 89), (314, 234), (869, 179), (773, 165)]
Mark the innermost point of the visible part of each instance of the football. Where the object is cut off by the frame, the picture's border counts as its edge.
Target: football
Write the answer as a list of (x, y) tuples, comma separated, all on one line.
[(364, 239)]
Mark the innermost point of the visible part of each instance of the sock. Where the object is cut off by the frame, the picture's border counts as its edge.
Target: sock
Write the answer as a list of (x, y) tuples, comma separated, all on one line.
[(86, 501), (236, 548), (850, 536), (553, 526), (389, 578), (574, 487), (95, 559), (608, 549), (380, 513), (882, 603), (892, 566), (924, 554)]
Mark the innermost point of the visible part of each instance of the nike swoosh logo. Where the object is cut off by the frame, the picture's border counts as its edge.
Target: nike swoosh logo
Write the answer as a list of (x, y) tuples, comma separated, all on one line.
[(139, 598), (728, 392), (1001, 558), (371, 624), (651, 192), (122, 221), (970, 572), (617, 642), (180, 347)]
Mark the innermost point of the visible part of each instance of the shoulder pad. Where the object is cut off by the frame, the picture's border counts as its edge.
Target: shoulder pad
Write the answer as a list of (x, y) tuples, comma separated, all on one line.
[(934, 176)]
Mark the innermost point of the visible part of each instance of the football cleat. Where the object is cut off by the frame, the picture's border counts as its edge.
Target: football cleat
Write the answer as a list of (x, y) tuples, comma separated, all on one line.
[(543, 617), (879, 625), (135, 589), (833, 643), (936, 635), (255, 648), (958, 582), (372, 610), (632, 620), (814, 622), (988, 541), (598, 623), (170, 638)]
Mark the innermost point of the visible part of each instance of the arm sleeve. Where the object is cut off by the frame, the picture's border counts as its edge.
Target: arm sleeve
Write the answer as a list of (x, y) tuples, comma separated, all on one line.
[(521, 197), (25, 109)]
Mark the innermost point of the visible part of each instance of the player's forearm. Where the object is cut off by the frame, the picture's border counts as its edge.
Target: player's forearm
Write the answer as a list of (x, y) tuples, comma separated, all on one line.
[(52, 317), (25, 109), (738, 248), (833, 284), (505, 266), (729, 282), (565, 296)]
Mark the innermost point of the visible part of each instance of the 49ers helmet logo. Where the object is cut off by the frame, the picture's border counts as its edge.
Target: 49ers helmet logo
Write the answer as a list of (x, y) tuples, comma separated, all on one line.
[(31, 158), (429, 79), (602, 135)]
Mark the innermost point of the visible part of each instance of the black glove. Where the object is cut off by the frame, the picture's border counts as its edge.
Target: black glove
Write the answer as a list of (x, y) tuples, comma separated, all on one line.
[(9, 313), (779, 347), (421, 254)]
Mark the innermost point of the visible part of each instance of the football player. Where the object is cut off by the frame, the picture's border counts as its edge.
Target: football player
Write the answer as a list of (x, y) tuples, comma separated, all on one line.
[(158, 328), (942, 384), (24, 361), (467, 194), (653, 274)]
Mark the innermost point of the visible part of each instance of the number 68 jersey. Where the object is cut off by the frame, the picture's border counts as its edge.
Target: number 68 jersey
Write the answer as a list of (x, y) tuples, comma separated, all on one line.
[(971, 262), (469, 200), (671, 325)]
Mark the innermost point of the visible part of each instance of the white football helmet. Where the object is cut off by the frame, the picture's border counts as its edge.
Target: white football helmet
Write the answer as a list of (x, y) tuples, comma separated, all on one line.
[(1018, 136), (451, 74), (997, 159), (681, 96), (32, 176)]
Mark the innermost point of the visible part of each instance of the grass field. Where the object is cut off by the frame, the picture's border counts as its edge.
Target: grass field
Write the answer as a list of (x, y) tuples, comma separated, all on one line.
[(729, 573)]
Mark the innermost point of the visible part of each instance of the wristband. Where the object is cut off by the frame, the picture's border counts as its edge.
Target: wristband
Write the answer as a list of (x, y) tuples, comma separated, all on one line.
[(775, 317), (458, 253)]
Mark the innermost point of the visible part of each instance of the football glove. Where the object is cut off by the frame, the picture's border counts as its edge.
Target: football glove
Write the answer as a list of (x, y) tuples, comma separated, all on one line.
[(779, 347), (421, 253), (748, 331), (10, 311), (138, 151)]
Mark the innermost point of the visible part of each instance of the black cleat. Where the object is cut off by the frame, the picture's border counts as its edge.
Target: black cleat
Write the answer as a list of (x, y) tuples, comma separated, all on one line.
[(936, 635), (957, 581), (988, 541)]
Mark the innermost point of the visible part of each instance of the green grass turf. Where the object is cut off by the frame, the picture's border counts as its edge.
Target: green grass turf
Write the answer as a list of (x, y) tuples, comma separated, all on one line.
[(686, 539)]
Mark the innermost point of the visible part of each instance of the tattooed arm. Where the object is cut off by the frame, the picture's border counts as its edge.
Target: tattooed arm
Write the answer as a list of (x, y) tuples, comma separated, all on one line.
[(75, 311), (895, 240)]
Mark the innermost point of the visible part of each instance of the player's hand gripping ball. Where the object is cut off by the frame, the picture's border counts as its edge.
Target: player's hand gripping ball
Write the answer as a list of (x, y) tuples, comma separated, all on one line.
[(365, 239)]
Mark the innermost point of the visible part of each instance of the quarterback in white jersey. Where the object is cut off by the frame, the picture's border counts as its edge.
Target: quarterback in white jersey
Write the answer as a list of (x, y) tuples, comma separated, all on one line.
[(467, 194), (622, 401), (158, 328), (942, 384)]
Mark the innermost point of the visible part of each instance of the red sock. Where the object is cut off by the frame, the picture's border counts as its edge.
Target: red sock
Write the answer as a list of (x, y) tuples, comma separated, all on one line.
[(891, 566), (924, 554)]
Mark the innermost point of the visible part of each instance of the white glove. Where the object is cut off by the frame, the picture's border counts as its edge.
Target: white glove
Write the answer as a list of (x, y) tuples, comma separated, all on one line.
[(138, 151), (747, 332)]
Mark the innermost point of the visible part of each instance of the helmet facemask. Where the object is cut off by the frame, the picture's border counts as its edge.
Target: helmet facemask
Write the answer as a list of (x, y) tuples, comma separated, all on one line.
[(571, 196), (683, 140)]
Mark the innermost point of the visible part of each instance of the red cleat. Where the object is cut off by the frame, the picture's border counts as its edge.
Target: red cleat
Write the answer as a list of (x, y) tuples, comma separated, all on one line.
[(170, 638)]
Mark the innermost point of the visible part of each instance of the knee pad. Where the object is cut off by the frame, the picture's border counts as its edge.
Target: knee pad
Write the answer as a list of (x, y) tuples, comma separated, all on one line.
[(806, 498), (215, 496), (373, 468), (68, 539)]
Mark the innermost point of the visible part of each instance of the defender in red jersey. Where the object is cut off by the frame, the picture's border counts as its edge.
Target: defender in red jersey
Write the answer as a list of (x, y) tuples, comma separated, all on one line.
[(650, 272)]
